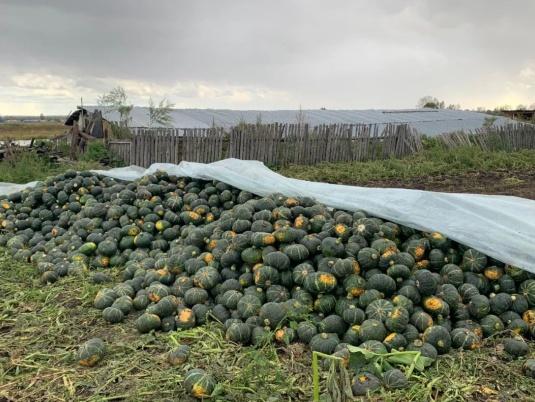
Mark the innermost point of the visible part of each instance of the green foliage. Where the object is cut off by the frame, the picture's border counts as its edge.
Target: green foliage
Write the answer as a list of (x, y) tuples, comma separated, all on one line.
[(117, 100), (96, 151), (161, 113), (434, 160), (29, 166)]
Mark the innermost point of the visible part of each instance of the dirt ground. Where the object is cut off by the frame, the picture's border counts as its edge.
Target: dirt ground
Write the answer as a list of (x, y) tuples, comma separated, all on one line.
[(504, 182)]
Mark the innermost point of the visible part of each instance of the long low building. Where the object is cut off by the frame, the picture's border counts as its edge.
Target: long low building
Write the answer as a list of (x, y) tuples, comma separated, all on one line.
[(430, 122)]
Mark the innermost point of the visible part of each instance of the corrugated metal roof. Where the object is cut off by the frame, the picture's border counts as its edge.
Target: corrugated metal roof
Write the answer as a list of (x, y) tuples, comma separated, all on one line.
[(426, 121)]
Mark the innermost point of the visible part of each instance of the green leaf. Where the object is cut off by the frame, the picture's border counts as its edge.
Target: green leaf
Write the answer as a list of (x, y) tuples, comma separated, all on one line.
[(357, 360), (368, 354), (402, 358)]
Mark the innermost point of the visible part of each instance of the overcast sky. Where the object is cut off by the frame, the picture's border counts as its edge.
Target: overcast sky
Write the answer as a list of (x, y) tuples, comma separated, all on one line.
[(272, 54)]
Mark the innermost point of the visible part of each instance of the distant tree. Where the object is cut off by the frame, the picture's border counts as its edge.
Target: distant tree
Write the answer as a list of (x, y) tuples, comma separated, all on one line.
[(532, 106), (430, 102), (454, 107), (41, 116), (117, 100), (1, 119), (501, 108), (481, 109), (521, 107), (161, 113)]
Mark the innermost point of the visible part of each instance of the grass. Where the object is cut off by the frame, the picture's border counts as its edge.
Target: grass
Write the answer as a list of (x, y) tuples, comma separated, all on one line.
[(28, 166), (434, 160), (42, 326), (27, 131)]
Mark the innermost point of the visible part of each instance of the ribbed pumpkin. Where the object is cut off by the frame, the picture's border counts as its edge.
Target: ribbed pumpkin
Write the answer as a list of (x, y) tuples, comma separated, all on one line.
[(91, 352), (199, 383)]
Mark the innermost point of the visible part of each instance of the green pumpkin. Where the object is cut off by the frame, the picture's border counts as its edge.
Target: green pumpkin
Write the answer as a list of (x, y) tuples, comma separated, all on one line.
[(395, 379), (368, 258), (500, 303), (421, 320), (147, 322), (333, 324), (91, 352), (88, 248), (527, 288), (372, 330), (123, 303), (379, 309), (426, 349), (365, 383), (325, 303), (272, 314), (332, 247), (474, 261), (439, 337), (491, 325), (306, 330), (238, 333), (353, 315), (452, 274), (104, 298), (383, 283), (435, 306), (479, 306), (425, 282), (285, 335), (516, 347), (354, 285), (277, 259), (320, 282), (397, 319), (296, 252), (465, 339), (324, 343), (395, 341), (199, 384), (528, 368), (206, 277), (178, 356)]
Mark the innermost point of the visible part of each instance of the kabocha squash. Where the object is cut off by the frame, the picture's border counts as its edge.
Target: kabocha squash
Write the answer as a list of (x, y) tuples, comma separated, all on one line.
[(439, 337), (465, 339), (239, 333), (395, 379), (199, 383), (306, 330), (379, 309), (271, 269), (147, 322), (178, 355), (113, 315), (365, 383), (528, 368), (515, 347), (324, 342), (91, 352)]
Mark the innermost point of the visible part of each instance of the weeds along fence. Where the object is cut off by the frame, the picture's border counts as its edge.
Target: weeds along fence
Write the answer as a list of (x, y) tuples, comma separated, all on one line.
[(511, 137), (273, 144)]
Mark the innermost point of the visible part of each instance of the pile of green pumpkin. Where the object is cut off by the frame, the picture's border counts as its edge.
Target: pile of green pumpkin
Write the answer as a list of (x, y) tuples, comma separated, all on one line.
[(269, 269)]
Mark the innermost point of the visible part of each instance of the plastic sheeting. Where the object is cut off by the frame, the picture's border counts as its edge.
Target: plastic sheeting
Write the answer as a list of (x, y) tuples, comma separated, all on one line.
[(502, 227)]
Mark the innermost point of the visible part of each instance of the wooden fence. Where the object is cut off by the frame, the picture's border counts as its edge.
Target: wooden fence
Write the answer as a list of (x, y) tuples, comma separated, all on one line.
[(273, 144), (510, 137)]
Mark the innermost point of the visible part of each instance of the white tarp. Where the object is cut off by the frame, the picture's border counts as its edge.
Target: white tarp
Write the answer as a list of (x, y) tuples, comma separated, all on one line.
[(502, 227)]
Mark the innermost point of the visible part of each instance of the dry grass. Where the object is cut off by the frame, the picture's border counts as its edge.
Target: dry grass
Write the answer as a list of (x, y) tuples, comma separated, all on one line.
[(27, 131)]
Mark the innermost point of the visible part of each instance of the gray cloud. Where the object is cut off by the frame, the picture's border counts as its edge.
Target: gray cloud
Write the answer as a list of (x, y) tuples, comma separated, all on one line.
[(267, 54)]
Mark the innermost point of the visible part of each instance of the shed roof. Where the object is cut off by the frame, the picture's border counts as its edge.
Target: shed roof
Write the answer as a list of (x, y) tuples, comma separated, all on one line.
[(426, 121)]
